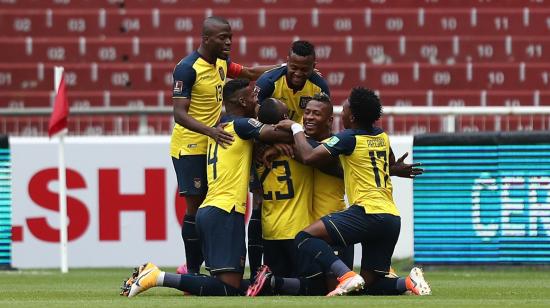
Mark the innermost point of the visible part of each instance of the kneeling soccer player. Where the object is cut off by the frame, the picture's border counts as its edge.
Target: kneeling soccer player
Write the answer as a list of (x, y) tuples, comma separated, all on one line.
[(220, 218), (372, 219)]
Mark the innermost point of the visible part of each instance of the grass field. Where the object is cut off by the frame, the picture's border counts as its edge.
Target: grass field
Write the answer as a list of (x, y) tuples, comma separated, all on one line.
[(462, 287)]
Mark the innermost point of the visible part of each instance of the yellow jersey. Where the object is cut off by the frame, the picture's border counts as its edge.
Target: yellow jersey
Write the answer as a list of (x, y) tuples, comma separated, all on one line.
[(328, 192), (228, 169), (273, 84), (201, 82), (364, 155), (287, 192)]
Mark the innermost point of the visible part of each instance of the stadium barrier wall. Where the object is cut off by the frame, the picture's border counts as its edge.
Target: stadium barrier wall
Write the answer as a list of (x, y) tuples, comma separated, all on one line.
[(5, 204), (122, 203), (484, 199)]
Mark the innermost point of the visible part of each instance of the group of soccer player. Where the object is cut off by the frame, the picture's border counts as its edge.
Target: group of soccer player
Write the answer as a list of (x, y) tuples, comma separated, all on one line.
[(275, 139)]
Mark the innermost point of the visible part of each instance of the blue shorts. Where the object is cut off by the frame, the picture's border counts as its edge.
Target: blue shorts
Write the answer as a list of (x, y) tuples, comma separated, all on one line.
[(284, 260), (222, 239), (377, 233), (191, 174)]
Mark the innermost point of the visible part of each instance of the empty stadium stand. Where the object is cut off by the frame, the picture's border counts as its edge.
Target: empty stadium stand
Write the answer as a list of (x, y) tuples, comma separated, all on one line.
[(120, 53)]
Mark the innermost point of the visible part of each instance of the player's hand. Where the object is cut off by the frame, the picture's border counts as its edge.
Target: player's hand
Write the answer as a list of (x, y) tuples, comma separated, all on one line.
[(284, 125), (284, 149), (221, 137), (404, 170)]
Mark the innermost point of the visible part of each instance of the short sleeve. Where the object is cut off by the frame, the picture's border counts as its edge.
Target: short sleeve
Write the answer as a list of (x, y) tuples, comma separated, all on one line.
[(341, 143), (264, 87), (247, 128), (321, 83), (313, 143), (184, 79)]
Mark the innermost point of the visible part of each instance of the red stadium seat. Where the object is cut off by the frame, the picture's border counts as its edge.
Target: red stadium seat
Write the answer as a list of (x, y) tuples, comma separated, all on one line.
[(537, 76), (508, 98), (445, 21), (485, 49), (454, 98), (501, 21), (377, 49), (476, 123), (403, 98), (500, 76), (531, 48), (442, 77), (410, 125)]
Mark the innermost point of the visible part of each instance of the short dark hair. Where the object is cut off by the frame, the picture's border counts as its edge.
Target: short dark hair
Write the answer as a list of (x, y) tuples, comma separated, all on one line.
[(323, 98), (270, 111), (232, 87), (303, 48), (365, 106), (209, 21)]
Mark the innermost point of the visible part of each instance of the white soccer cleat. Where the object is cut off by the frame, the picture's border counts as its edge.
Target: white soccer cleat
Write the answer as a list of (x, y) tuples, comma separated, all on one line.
[(416, 283), (350, 282), (145, 279)]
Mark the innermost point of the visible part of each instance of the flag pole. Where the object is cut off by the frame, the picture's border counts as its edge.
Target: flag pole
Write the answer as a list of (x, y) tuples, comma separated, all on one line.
[(58, 73)]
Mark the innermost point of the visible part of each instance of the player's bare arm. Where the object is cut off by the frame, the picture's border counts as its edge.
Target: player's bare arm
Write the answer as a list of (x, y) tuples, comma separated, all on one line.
[(253, 73), (317, 157), (182, 117)]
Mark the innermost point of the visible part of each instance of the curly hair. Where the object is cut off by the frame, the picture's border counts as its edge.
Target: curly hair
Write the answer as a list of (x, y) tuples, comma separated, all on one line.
[(365, 106)]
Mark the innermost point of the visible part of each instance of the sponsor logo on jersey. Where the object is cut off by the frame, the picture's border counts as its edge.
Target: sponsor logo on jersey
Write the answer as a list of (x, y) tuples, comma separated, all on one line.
[(222, 74)]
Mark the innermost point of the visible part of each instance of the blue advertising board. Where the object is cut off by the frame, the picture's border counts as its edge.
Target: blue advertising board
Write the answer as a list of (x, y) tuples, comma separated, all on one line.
[(5, 204), (483, 198)]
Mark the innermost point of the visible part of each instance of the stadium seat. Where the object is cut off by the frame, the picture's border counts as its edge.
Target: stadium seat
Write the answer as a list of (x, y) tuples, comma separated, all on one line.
[(500, 76), (454, 98), (531, 48), (403, 98), (537, 75), (468, 123), (377, 49)]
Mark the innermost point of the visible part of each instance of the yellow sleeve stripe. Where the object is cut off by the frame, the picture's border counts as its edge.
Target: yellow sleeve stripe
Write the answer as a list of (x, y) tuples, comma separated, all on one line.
[(180, 97)]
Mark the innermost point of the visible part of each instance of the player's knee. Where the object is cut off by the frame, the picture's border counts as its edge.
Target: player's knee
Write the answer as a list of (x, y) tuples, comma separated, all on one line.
[(301, 238)]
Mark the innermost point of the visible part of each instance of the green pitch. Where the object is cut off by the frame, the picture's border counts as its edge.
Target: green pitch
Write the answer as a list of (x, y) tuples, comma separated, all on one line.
[(494, 287)]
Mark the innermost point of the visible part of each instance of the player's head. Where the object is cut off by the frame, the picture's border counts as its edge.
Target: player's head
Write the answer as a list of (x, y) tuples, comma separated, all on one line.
[(362, 109), (216, 37), (318, 117), (239, 98), (300, 64), (272, 111)]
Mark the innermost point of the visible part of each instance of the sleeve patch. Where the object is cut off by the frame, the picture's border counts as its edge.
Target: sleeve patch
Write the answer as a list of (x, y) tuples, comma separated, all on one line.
[(254, 123), (332, 141), (178, 87)]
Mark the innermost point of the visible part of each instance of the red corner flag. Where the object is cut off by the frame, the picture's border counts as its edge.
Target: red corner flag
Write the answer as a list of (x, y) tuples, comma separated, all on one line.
[(60, 113)]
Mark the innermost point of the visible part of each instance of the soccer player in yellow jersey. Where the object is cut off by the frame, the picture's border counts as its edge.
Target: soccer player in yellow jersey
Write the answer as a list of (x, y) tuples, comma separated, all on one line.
[(197, 99), (220, 218), (372, 219), (295, 83)]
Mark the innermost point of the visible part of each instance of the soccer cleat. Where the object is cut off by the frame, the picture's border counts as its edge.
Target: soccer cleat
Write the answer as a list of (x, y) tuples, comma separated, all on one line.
[(350, 282), (182, 269), (392, 273), (263, 276), (143, 278), (416, 283)]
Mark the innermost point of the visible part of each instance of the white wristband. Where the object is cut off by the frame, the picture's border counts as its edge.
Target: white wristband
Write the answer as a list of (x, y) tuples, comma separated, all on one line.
[(296, 128)]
